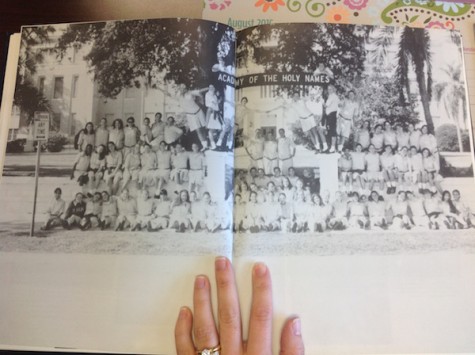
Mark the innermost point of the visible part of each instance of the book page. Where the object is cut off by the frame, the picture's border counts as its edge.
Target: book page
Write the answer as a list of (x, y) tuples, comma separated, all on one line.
[(8, 92), (354, 182), (131, 123)]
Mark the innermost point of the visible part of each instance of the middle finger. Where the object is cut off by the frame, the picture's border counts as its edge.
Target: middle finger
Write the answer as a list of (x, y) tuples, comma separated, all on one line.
[(228, 307), (204, 329)]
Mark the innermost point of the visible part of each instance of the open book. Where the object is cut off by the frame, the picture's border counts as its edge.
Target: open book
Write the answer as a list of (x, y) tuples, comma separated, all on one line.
[(341, 155)]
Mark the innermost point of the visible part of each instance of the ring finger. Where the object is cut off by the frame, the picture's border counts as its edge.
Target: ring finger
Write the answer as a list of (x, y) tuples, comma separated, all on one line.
[(204, 328)]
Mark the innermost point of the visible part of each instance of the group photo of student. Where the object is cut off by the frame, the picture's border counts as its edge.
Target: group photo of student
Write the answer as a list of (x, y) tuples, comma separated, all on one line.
[(139, 179), (294, 203), (388, 179)]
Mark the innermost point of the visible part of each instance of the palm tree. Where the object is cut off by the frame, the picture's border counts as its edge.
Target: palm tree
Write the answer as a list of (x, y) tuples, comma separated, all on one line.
[(451, 93), (414, 48)]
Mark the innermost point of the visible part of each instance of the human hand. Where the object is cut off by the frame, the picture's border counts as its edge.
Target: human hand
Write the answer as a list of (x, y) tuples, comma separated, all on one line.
[(198, 333)]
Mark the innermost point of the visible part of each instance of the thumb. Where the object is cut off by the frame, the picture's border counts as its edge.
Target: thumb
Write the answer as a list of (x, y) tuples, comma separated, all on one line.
[(291, 342)]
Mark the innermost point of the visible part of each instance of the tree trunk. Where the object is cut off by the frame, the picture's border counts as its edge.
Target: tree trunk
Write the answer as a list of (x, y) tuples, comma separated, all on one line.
[(459, 135), (424, 97)]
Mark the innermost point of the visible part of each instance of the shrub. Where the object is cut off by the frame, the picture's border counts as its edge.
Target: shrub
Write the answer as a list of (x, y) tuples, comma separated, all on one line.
[(447, 140), (56, 142), (16, 146)]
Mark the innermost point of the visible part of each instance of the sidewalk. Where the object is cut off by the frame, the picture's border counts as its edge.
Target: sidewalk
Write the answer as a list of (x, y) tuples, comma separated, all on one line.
[(52, 164)]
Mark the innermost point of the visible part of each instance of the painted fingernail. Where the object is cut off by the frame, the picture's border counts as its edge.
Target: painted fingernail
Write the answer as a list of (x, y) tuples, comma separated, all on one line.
[(183, 313), (220, 263), (260, 269), (296, 327), (200, 281)]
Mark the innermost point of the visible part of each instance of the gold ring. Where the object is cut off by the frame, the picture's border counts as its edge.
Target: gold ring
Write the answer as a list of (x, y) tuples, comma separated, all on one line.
[(212, 351)]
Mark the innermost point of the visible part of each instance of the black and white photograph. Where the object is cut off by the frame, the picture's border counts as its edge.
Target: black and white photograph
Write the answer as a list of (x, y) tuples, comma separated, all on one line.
[(139, 151), (351, 132)]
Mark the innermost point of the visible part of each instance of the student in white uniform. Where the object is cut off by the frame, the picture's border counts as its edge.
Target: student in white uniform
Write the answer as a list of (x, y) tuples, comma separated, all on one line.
[(270, 154), (81, 166), (377, 140), (345, 167), (400, 210), (145, 210), (93, 212), (373, 168), (97, 166), (331, 108), (109, 211), (388, 164), (162, 210), (377, 211), (462, 210), (213, 122), (363, 135), (389, 135), (55, 211), (86, 137), (131, 136), (251, 217), (113, 173), (317, 215), (158, 131), (131, 166), (414, 136), (127, 211), (358, 166), (102, 133), (315, 104), (348, 114), (417, 168), (418, 215), (180, 212), (357, 212), (402, 137), (163, 166), (339, 216), (402, 167), (148, 162), (196, 174), (179, 160), (255, 150), (116, 134), (285, 151), (285, 212)]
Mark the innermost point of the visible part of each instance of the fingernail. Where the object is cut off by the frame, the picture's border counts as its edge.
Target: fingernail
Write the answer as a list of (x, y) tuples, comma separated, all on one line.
[(200, 281), (296, 327), (220, 263), (183, 313), (260, 269)]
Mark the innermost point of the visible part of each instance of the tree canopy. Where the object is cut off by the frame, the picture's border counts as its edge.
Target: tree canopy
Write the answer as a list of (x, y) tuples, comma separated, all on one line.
[(287, 48), (131, 53), (27, 96)]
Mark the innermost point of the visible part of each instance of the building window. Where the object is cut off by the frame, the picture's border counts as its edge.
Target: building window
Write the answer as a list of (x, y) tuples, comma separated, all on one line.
[(41, 85), (130, 92), (74, 86), (74, 54), (56, 124), (72, 130), (12, 134), (58, 87)]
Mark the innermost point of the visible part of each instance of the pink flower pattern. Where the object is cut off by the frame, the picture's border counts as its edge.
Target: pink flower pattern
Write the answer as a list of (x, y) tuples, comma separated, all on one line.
[(218, 4), (356, 4)]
